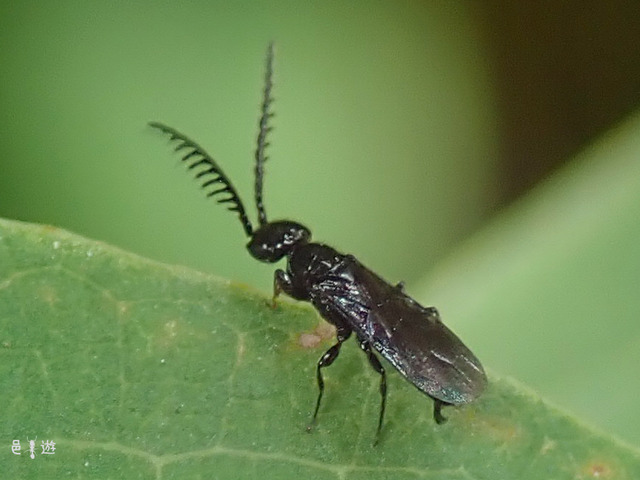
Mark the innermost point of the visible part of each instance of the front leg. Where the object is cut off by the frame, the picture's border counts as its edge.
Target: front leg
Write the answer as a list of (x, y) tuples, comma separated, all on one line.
[(281, 283)]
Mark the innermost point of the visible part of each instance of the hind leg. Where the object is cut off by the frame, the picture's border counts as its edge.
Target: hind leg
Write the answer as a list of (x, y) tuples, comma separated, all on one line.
[(437, 411)]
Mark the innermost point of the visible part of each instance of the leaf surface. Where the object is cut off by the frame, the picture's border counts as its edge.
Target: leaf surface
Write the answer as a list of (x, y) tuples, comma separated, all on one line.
[(141, 370)]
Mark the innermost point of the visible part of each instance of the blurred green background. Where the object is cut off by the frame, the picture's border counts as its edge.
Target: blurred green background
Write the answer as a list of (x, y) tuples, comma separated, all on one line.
[(401, 129), (380, 110)]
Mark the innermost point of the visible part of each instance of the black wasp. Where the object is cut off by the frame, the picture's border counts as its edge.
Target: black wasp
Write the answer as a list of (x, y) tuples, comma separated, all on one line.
[(345, 293)]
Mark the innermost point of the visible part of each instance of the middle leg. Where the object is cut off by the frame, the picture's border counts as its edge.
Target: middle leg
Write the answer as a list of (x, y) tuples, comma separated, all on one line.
[(377, 366), (327, 359)]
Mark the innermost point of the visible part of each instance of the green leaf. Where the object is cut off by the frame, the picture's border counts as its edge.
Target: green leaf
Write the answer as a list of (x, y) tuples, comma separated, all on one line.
[(141, 370)]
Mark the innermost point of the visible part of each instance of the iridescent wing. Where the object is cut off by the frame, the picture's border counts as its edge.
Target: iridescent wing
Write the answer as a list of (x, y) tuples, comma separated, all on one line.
[(411, 337)]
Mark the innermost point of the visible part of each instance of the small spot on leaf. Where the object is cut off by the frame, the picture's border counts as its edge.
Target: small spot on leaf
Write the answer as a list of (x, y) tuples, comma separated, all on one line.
[(547, 445), (313, 339), (598, 469), (48, 295), (500, 429)]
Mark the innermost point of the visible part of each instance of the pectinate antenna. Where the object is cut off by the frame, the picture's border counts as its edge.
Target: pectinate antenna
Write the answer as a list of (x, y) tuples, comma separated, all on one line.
[(265, 115), (208, 172)]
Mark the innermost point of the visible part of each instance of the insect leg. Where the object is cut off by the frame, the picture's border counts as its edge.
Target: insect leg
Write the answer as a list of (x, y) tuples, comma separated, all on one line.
[(326, 360), (437, 411), (282, 283), (377, 366)]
